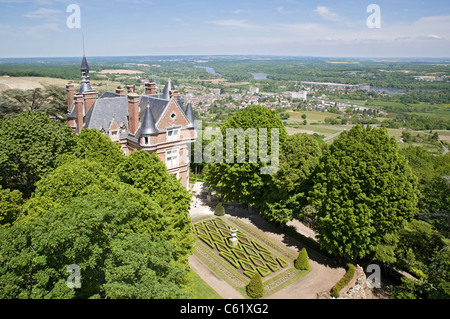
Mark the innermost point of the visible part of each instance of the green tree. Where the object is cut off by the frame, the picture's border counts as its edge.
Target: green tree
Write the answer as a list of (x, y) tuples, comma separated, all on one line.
[(302, 261), (99, 233), (255, 288), (95, 146), (10, 206), (363, 189), (219, 210), (244, 182), (30, 145), (148, 173), (286, 193)]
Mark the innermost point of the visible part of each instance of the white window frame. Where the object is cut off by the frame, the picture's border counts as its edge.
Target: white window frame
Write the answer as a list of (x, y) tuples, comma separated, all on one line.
[(172, 157), (173, 134)]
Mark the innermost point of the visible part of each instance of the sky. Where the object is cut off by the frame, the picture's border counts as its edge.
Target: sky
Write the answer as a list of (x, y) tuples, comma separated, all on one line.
[(324, 28)]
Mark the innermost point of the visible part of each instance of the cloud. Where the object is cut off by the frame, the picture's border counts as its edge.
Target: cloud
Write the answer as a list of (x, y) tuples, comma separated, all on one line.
[(38, 31), (281, 10), (42, 13), (430, 37), (236, 24), (326, 13)]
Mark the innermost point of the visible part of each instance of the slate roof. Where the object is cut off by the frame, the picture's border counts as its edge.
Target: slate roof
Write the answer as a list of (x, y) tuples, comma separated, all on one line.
[(115, 106), (104, 110), (190, 115), (148, 126), (84, 64), (85, 85)]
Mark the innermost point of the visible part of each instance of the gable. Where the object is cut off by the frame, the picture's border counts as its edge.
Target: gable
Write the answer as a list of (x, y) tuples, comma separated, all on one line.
[(173, 115)]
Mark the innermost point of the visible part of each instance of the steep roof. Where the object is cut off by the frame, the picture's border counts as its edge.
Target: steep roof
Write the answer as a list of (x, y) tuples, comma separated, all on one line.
[(166, 92), (148, 126), (190, 115), (84, 64), (104, 110), (85, 85)]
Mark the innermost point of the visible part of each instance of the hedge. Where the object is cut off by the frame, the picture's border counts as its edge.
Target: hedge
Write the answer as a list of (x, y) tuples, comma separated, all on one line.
[(302, 261), (220, 210), (344, 280), (255, 287)]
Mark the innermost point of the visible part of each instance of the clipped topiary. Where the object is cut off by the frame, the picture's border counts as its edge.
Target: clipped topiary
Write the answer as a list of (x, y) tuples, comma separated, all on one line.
[(255, 288), (302, 261), (220, 210)]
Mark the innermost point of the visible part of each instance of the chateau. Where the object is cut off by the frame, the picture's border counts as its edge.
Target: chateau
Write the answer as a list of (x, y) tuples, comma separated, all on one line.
[(154, 122)]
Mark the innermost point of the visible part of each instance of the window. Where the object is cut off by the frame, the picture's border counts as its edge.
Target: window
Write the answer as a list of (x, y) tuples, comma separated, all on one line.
[(146, 140), (114, 135), (173, 134), (172, 158)]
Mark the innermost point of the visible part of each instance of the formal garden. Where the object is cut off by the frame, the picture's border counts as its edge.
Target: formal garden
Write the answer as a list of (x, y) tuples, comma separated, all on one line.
[(250, 255)]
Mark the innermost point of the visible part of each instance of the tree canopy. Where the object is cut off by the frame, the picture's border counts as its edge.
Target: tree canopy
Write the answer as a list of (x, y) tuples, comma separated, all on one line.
[(286, 194), (29, 146), (363, 189), (244, 181)]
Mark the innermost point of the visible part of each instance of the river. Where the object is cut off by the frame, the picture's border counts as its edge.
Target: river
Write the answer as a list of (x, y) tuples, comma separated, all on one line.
[(208, 69), (258, 76)]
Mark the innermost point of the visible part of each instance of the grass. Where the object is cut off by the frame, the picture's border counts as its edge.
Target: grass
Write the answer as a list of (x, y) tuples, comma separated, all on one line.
[(201, 289), (311, 116)]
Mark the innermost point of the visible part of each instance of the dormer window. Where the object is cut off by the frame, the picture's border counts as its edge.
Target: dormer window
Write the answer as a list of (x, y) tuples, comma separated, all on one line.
[(173, 134), (114, 135)]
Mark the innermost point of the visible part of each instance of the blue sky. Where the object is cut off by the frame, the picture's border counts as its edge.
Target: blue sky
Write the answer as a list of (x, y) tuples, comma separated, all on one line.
[(182, 27)]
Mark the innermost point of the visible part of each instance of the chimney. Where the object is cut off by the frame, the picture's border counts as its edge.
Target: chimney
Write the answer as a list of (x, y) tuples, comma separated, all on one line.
[(79, 112), (119, 90), (89, 99), (70, 93), (173, 93), (150, 87), (133, 112), (130, 88)]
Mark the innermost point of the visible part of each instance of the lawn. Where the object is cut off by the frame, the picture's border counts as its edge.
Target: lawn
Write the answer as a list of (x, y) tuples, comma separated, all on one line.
[(311, 116), (201, 289)]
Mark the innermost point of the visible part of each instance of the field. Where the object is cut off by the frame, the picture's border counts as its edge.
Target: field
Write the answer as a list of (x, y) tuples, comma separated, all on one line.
[(31, 82)]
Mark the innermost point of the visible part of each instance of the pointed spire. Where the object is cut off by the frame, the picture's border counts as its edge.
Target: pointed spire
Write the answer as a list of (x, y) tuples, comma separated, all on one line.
[(148, 123), (166, 92), (84, 65), (190, 115)]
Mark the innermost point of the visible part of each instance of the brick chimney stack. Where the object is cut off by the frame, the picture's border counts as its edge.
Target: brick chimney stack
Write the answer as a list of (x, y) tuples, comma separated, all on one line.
[(130, 88), (79, 112), (119, 90), (89, 99), (133, 112), (70, 93), (150, 87)]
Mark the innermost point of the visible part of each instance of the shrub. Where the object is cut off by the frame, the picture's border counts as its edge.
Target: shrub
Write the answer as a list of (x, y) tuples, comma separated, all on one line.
[(344, 280), (255, 288), (220, 210), (302, 262)]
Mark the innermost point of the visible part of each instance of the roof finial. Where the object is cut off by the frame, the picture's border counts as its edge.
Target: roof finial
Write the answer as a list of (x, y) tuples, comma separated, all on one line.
[(82, 36)]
